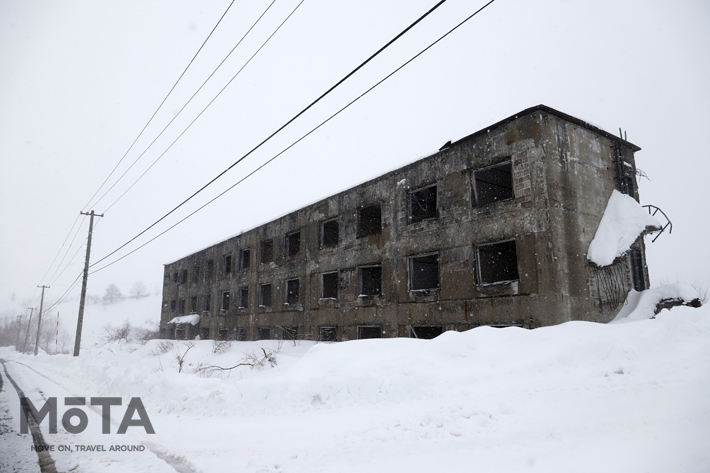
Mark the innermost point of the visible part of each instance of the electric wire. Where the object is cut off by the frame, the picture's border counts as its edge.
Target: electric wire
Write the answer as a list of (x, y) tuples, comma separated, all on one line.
[(52, 278), (60, 250), (159, 106), (64, 295), (178, 114), (298, 140), (274, 133)]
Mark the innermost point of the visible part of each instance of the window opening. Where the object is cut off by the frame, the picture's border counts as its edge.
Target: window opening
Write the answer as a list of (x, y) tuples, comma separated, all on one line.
[(369, 331), (326, 334), (424, 272), (329, 233), (329, 285), (493, 184), (173, 305), (244, 298), (204, 333), (369, 221), (246, 258), (227, 264), (209, 272), (370, 279), (267, 251), (497, 262), (222, 334), (422, 204), (183, 277), (193, 304), (264, 333), (175, 276), (292, 289), (206, 299), (195, 274), (426, 333), (182, 307), (240, 334), (265, 295), (225, 301), (293, 243)]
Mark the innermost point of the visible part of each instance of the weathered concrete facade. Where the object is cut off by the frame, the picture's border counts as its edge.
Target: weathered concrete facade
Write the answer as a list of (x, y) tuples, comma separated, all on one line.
[(492, 230)]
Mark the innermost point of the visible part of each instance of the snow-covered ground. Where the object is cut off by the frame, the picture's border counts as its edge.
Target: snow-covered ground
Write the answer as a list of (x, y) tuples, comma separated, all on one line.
[(583, 397)]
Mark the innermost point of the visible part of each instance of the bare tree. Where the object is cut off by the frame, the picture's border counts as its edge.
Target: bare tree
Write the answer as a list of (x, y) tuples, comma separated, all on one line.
[(138, 290), (113, 294)]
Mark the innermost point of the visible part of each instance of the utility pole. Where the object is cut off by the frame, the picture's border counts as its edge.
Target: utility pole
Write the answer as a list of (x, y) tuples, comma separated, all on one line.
[(80, 321), (39, 321), (27, 333), (19, 332)]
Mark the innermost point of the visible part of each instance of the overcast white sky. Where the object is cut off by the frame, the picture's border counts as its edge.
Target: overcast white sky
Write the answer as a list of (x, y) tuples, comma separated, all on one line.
[(79, 79)]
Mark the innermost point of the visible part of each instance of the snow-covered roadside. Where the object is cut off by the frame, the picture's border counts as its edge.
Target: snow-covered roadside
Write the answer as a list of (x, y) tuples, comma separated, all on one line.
[(574, 397)]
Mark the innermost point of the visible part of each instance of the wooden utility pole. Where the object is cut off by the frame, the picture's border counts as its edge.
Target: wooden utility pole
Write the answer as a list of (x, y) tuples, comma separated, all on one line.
[(27, 333), (80, 321), (39, 321)]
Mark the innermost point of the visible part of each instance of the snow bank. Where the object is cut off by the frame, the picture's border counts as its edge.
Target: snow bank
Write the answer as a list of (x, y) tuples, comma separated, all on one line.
[(192, 319), (642, 305), (623, 221)]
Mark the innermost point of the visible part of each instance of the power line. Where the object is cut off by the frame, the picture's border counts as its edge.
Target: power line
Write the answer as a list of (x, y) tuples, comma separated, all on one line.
[(274, 133), (295, 142), (178, 114), (159, 106), (60, 251)]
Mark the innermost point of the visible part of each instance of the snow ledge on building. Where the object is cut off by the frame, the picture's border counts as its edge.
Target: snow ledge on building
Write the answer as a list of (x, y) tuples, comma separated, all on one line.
[(623, 221), (646, 304), (192, 319)]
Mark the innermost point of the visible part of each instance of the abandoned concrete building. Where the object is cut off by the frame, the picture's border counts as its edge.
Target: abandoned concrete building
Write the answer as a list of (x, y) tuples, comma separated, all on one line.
[(491, 230)]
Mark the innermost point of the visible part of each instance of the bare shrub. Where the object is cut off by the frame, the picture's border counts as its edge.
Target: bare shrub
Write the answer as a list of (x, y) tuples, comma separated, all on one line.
[(180, 357), (122, 333), (220, 346), (162, 348), (253, 360)]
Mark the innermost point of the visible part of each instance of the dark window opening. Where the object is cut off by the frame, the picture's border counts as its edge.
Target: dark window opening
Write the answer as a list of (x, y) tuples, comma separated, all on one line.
[(329, 233), (244, 298), (265, 295), (246, 258), (222, 334), (497, 262), (426, 333), (370, 279), (240, 334), (422, 204), (204, 333), (225, 301), (181, 310), (267, 251), (183, 277), (175, 276), (369, 221), (293, 243), (329, 286), (173, 305), (227, 264), (209, 272), (637, 271), (423, 272), (206, 299), (493, 184), (292, 289), (264, 333), (290, 332), (326, 334), (195, 274), (180, 334), (371, 331), (193, 304)]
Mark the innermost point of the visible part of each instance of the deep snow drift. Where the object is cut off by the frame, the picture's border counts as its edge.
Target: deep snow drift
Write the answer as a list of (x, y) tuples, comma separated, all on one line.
[(583, 397)]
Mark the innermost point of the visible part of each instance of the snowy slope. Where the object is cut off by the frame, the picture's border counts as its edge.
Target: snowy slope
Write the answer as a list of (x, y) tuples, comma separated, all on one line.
[(580, 397)]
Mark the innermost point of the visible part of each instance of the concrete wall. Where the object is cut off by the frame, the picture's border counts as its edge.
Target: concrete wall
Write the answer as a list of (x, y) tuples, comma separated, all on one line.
[(563, 174)]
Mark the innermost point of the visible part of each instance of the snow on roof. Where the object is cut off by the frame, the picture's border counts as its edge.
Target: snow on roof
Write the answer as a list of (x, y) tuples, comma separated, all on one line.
[(193, 319), (642, 305), (623, 221)]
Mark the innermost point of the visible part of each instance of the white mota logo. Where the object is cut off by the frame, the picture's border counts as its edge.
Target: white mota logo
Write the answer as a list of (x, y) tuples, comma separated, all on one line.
[(135, 406)]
